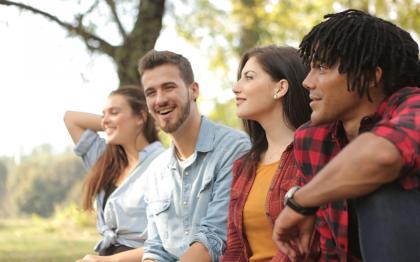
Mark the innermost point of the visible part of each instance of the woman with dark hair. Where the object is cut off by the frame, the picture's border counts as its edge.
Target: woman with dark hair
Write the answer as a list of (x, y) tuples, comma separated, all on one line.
[(272, 103), (116, 166)]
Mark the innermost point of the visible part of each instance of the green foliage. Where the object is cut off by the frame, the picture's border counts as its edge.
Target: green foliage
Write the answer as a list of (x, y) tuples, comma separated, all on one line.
[(225, 113), (3, 188), (226, 29), (73, 216), (42, 180), (237, 25), (164, 138)]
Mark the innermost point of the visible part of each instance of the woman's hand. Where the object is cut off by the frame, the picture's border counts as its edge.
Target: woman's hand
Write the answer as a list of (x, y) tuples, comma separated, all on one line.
[(93, 258)]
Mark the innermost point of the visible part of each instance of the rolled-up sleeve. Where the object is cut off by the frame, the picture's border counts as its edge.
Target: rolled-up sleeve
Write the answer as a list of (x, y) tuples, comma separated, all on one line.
[(403, 131), (90, 147), (401, 127)]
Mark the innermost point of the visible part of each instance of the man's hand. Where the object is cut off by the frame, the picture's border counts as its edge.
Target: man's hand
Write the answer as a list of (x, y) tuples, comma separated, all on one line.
[(292, 233)]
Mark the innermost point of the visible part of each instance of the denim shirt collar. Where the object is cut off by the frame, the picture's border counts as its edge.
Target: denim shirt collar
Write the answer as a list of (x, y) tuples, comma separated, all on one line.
[(205, 141)]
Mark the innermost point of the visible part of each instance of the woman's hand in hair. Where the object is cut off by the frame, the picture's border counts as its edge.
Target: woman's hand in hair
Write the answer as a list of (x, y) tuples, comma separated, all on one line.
[(78, 122)]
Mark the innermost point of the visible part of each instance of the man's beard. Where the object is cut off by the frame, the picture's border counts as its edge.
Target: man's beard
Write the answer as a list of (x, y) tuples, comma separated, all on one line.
[(184, 115)]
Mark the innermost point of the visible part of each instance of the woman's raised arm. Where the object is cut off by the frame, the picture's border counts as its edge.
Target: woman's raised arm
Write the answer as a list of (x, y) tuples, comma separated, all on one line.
[(78, 122)]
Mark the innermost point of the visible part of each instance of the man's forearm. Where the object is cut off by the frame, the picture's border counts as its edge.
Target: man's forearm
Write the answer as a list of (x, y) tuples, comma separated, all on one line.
[(196, 252), (361, 167), (129, 256)]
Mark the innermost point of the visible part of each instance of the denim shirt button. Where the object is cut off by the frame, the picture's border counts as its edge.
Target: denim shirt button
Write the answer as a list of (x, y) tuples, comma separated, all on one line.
[(185, 203), (186, 232), (186, 173)]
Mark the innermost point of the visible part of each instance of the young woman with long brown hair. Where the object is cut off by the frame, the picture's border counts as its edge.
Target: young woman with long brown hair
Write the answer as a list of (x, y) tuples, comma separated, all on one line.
[(116, 166), (272, 103)]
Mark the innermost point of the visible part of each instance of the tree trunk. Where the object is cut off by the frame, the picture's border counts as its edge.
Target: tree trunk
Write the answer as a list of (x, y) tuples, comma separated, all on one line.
[(135, 44), (143, 38)]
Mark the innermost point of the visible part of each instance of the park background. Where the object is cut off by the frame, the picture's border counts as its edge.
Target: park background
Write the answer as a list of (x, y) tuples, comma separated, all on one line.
[(58, 55)]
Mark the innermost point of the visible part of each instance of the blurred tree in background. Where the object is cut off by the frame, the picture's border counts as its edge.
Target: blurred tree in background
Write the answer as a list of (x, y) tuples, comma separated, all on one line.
[(222, 30), (232, 28), (3, 188), (137, 26), (226, 29), (42, 181)]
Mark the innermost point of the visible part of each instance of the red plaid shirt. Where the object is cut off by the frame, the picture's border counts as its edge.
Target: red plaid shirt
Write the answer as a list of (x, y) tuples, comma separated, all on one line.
[(237, 249), (397, 119)]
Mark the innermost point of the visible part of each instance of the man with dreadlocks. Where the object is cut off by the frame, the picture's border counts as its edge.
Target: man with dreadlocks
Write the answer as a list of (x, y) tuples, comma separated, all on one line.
[(359, 156)]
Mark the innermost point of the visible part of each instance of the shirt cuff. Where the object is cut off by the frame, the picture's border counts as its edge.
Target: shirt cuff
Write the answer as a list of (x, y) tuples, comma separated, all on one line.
[(401, 141), (213, 244), (86, 140), (153, 257)]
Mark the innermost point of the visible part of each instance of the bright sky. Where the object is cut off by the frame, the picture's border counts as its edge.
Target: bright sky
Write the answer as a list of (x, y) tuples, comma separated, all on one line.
[(43, 73)]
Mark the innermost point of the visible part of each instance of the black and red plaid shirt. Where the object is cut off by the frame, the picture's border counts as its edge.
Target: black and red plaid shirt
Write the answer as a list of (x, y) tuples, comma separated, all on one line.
[(398, 120)]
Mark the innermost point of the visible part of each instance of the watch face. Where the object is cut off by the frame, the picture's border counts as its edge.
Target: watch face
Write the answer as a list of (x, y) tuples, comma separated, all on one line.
[(290, 193), (286, 197)]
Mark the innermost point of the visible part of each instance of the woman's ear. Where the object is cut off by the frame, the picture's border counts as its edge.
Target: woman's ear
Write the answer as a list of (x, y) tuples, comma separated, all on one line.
[(281, 88)]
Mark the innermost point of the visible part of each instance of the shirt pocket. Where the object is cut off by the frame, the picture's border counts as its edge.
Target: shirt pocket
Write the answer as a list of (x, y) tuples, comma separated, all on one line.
[(160, 212)]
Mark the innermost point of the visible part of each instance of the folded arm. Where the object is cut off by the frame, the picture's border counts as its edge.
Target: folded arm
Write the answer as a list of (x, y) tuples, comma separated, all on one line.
[(77, 122), (365, 164)]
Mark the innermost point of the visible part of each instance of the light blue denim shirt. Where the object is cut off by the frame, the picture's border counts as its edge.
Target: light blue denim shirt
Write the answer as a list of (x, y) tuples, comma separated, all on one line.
[(124, 220), (192, 206)]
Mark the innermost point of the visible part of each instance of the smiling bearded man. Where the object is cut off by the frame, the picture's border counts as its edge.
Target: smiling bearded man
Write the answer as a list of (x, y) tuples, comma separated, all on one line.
[(189, 184)]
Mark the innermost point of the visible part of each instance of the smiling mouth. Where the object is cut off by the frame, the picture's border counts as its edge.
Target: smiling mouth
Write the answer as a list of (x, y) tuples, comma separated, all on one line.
[(109, 130), (239, 101), (165, 111)]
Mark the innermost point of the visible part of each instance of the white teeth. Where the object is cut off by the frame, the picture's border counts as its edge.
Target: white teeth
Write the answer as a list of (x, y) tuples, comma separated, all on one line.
[(165, 111)]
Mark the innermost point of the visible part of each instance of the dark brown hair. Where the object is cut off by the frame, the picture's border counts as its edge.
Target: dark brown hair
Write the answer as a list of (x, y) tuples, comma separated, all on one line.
[(112, 162), (279, 63), (155, 58)]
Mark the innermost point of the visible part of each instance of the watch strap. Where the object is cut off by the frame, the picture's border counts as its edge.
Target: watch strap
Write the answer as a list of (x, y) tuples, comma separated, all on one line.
[(306, 211)]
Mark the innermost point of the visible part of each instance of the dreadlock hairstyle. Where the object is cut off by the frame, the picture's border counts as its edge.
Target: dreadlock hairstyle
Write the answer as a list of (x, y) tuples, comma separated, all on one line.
[(360, 43), (113, 160)]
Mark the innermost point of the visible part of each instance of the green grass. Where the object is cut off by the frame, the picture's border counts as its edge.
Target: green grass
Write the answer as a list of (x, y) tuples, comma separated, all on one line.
[(44, 240)]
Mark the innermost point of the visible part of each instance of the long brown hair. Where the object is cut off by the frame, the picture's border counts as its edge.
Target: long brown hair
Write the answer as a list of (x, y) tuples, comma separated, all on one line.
[(112, 162), (280, 63)]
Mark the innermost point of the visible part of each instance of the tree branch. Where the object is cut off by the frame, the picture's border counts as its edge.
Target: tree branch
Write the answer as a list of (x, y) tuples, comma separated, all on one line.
[(80, 17), (92, 41), (111, 4)]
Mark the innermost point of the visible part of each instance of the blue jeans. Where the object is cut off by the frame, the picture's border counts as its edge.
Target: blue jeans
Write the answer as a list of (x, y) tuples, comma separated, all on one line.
[(389, 224)]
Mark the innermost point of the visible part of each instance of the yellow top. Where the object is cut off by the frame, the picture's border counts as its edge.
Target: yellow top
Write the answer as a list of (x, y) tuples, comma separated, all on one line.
[(258, 228)]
